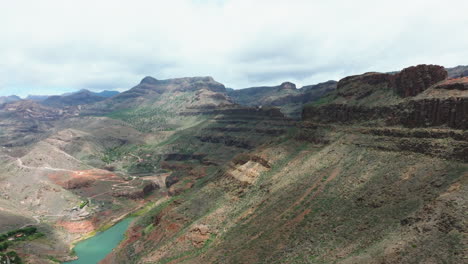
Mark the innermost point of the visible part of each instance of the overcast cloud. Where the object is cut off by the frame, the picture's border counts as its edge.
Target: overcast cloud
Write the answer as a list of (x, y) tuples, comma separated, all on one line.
[(54, 46)]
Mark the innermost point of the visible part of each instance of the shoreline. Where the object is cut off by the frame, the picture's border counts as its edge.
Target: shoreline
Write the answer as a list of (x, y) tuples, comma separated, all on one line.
[(133, 213), (98, 230)]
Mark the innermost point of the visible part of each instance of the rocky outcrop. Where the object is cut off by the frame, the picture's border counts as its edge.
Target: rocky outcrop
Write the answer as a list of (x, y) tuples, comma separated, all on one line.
[(287, 86), (342, 113), (409, 82), (199, 234), (243, 158), (370, 78), (246, 168), (180, 84), (413, 80), (137, 193), (360, 86), (436, 107), (450, 112), (238, 111)]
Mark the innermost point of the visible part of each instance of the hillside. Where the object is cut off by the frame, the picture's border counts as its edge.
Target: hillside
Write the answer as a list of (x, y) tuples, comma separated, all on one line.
[(334, 189), (374, 171)]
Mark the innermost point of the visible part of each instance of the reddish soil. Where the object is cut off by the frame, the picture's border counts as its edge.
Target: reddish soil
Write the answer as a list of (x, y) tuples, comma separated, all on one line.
[(80, 179), (455, 80), (80, 227)]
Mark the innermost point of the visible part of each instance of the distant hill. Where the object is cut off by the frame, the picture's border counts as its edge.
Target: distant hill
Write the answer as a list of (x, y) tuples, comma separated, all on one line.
[(9, 99), (150, 89), (37, 97), (457, 72), (285, 96), (106, 93), (78, 98)]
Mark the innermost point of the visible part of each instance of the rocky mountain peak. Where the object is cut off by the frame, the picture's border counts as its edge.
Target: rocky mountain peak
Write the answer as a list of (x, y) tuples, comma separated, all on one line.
[(287, 86), (149, 80)]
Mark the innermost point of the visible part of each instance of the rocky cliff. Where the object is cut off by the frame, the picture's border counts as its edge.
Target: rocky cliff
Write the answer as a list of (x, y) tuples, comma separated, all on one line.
[(413, 80), (430, 101)]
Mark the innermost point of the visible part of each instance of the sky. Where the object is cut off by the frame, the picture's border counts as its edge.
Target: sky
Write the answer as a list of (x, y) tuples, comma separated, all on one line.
[(57, 46)]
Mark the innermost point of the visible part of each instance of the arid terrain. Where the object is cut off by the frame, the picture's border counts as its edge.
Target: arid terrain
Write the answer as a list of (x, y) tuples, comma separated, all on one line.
[(372, 168)]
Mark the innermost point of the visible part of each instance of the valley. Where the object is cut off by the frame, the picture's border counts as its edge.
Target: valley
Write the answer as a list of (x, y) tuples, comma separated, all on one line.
[(370, 169)]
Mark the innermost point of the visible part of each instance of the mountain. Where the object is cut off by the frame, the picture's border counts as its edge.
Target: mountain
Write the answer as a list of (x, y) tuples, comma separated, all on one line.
[(285, 96), (36, 97), (372, 170), (78, 98), (370, 166), (457, 72), (150, 88), (106, 93), (8, 99)]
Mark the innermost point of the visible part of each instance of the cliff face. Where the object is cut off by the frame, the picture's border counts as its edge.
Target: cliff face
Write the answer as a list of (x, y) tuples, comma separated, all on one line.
[(436, 104), (451, 112), (409, 82), (413, 80)]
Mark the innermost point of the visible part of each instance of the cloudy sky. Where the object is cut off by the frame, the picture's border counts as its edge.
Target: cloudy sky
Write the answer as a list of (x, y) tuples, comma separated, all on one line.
[(55, 46)]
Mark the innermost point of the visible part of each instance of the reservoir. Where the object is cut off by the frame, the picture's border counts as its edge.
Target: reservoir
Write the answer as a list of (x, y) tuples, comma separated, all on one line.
[(96, 248)]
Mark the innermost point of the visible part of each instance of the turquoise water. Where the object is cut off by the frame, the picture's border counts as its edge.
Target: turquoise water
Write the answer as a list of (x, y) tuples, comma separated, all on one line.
[(96, 248)]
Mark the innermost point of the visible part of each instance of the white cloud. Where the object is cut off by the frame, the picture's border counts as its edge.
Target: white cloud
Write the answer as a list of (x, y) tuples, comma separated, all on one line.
[(50, 46)]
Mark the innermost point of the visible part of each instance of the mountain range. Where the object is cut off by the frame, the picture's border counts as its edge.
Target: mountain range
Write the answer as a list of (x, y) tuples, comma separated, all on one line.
[(372, 168)]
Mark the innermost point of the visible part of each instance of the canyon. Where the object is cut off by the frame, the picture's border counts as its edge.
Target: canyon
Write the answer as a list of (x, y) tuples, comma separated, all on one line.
[(370, 169)]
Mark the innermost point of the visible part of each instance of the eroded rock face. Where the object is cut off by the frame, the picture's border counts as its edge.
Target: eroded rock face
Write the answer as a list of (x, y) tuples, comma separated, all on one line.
[(137, 193), (409, 82), (371, 78), (413, 80), (180, 84), (451, 112), (447, 109)]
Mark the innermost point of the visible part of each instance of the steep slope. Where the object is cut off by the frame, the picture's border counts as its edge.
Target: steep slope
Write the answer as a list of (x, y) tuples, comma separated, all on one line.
[(375, 172), (326, 194), (416, 97), (136, 151), (337, 188)]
